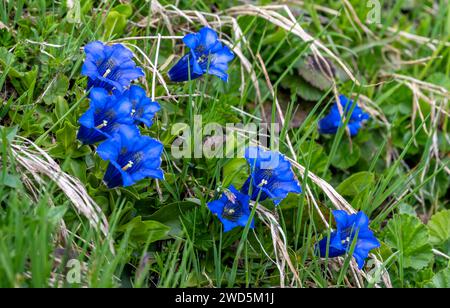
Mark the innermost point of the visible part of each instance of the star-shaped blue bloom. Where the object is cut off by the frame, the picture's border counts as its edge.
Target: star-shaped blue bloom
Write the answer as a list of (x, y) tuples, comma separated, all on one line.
[(143, 108), (109, 67), (104, 116), (348, 227), (331, 122), (132, 157), (271, 175), (233, 209), (207, 55)]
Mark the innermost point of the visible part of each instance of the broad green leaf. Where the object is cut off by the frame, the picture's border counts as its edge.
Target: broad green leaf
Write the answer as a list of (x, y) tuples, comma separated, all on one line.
[(115, 23), (59, 87), (10, 180), (407, 234), (356, 183), (170, 215), (439, 227), (145, 230), (302, 88), (440, 280), (66, 135), (314, 155), (316, 72), (61, 107), (124, 9), (346, 155), (235, 172)]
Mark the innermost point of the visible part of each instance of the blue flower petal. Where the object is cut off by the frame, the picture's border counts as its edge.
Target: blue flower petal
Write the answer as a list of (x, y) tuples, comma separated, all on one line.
[(232, 209), (207, 55)]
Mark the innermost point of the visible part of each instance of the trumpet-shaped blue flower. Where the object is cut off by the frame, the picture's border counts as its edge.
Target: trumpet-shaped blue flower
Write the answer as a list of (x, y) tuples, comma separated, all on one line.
[(331, 122), (350, 227), (104, 116), (271, 175), (233, 209), (109, 67), (132, 157), (143, 108), (207, 55)]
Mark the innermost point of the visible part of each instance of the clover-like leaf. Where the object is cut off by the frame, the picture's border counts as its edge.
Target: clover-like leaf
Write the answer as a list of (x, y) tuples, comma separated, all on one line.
[(439, 227), (406, 234)]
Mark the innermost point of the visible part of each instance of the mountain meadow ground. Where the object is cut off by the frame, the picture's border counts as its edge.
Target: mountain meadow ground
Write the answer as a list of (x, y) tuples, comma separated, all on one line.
[(236, 144)]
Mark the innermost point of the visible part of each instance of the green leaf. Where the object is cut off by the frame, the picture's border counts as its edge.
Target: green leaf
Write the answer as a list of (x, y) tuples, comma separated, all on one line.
[(145, 230), (404, 208), (440, 280), (115, 23), (440, 79), (59, 87), (302, 88), (439, 227), (56, 214), (235, 172), (406, 234), (356, 183), (66, 135), (10, 180), (315, 155), (346, 155), (124, 9), (317, 73), (61, 107), (170, 215)]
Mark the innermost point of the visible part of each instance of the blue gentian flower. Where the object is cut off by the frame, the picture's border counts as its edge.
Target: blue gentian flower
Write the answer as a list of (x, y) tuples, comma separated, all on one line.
[(132, 157), (143, 108), (207, 55), (109, 67), (104, 116), (233, 209), (348, 227), (271, 175), (331, 122)]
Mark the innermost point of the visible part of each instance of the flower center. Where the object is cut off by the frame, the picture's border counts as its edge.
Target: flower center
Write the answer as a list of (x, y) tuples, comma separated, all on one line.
[(232, 210), (104, 123), (263, 182), (106, 73), (128, 165), (203, 58)]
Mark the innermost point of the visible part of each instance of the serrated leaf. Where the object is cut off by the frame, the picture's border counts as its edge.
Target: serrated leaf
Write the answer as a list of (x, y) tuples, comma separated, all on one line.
[(439, 227), (356, 183), (407, 234), (440, 280)]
